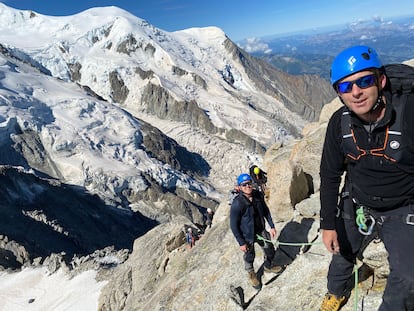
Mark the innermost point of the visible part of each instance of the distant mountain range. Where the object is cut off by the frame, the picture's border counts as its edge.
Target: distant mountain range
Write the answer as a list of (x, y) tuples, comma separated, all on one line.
[(311, 52)]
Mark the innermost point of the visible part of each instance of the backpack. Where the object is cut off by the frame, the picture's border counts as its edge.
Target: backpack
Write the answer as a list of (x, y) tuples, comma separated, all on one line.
[(400, 78), (231, 195), (259, 180), (400, 82)]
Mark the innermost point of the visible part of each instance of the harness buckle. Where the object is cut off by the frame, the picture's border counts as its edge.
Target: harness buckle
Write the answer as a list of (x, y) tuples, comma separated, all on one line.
[(380, 220), (410, 219)]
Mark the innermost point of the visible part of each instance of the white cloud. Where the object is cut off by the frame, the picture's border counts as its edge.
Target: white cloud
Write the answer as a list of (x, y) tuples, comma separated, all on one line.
[(252, 45), (378, 18)]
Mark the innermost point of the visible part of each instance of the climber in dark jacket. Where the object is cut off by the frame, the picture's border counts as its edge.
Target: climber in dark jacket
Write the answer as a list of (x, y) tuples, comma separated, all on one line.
[(371, 138), (248, 214)]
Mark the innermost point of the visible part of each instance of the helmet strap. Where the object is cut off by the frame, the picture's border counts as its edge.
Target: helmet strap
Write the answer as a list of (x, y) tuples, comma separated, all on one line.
[(380, 101), (377, 104)]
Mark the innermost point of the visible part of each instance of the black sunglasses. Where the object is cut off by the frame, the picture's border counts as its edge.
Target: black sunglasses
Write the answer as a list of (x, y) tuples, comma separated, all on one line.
[(246, 184), (363, 83)]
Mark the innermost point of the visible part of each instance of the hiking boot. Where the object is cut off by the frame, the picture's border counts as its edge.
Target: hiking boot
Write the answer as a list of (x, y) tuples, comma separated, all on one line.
[(254, 280), (332, 302), (273, 269)]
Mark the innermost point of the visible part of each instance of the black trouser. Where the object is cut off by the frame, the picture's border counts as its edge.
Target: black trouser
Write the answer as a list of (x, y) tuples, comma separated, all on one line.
[(268, 249), (398, 238)]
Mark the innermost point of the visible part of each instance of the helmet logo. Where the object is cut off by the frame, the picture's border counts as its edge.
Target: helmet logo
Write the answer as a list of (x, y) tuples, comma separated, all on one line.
[(351, 60), (394, 144)]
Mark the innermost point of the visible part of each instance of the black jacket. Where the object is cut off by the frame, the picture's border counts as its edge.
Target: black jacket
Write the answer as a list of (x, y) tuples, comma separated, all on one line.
[(376, 182), (242, 217)]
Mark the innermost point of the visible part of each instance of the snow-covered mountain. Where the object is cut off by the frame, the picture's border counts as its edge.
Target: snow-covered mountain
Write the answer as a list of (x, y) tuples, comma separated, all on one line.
[(154, 123), (197, 77)]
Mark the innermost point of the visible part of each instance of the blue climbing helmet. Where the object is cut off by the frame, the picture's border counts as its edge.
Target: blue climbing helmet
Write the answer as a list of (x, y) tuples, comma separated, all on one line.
[(352, 60), (242, 178)]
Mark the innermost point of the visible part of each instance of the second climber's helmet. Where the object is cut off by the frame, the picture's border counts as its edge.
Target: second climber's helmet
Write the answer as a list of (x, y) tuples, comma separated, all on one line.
[(242, 178)]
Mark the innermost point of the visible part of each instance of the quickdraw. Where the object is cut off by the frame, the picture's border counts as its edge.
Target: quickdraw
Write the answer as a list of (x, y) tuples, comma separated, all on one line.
[(361, 221)]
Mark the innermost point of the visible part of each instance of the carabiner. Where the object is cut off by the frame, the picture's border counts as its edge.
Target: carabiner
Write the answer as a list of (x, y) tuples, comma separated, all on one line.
[(369, 229)]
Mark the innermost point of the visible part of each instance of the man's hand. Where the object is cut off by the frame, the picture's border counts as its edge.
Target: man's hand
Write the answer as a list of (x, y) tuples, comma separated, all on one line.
[(244, 248), (272, 233), (330, 240)]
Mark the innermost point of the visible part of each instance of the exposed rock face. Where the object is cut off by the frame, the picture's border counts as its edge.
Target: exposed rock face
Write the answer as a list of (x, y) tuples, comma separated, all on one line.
[(160, 102), (301, 158), (75, 71), (305, 95), (119, 89)]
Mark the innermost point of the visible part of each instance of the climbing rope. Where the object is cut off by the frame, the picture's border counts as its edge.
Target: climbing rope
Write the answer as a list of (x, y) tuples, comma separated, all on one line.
[(356, 287), (276, 243)]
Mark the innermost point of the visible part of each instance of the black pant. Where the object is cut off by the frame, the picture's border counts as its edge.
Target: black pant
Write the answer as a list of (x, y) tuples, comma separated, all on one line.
[(398, 238), (268, 249)]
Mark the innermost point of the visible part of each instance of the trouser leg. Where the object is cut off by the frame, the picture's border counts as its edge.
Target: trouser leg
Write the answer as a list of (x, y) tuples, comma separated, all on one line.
[(398, 295), (398, 238), (342, 264), (268, 249), (248, 258)]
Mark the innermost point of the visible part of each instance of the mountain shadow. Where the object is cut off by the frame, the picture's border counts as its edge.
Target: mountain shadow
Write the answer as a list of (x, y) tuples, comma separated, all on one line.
[(45, 217)]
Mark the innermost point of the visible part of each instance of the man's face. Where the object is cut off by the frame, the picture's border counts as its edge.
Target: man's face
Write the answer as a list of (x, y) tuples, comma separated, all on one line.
[(246, 187), (359, 91)]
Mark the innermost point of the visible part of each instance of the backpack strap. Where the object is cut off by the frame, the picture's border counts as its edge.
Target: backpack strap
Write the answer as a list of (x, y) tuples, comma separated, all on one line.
[(348, 138), (393, 137)]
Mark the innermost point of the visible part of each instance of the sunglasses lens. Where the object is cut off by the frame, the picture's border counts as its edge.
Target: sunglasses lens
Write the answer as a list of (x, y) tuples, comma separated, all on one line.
[(363, 83), (345, 87)]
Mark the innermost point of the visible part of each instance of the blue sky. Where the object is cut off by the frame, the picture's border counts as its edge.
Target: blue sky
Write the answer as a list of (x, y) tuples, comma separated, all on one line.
[(239, 19)]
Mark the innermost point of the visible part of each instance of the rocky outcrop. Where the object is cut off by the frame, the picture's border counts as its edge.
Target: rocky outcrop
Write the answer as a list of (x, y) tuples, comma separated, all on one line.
[(160, 102), (300, 196), (119, 89), (294, 168)]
